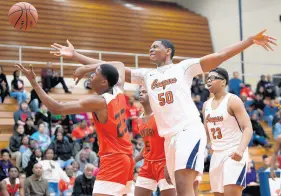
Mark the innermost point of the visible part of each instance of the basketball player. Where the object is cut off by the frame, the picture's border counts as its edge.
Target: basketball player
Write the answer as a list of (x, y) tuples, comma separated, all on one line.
[(176, 115), (230, 131), (108, 109), (152, 171)]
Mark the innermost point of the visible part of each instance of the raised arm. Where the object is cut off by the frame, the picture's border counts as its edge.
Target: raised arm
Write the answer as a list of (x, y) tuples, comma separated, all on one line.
[(237, 109), (89, 104), (211, 61)]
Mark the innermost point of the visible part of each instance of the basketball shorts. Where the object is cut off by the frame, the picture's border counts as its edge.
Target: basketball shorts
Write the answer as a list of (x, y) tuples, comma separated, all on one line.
[(226, 171), (115, 175), (151, 175), (186, 149)]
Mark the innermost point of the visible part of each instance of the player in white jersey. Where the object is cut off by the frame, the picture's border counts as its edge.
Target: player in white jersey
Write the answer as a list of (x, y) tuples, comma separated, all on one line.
[(230, 131), (168, 88)]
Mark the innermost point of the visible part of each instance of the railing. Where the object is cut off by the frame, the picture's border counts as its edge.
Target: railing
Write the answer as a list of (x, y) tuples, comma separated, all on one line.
[(100, 55)]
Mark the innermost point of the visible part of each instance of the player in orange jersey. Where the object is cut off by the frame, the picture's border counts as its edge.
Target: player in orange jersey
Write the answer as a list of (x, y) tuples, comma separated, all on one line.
[(152, 171), (108, 108)]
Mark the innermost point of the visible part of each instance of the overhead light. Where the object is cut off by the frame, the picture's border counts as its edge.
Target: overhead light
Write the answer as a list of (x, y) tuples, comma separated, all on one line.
[(129, 5)]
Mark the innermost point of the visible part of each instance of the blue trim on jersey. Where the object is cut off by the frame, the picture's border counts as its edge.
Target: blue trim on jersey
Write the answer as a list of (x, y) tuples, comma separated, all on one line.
[(194, 164), (193, 155), (242, 177), (244, 182)]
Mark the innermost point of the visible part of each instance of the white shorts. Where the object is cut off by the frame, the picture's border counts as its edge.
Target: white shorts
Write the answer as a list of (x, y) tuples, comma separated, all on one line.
[(186, 149), (226, 171), (152, 184), (112, 188)]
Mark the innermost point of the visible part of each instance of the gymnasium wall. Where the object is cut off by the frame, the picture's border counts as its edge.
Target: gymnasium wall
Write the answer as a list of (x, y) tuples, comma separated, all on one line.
[(224, 25)]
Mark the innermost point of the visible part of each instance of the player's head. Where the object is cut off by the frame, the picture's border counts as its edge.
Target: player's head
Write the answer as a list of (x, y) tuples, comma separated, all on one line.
[(217, 80), (143, 96), (104, 78), (161, 51)]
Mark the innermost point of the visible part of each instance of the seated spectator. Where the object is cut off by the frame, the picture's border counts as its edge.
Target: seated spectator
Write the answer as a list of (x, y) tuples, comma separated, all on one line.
[(35, 101), (198, 103), (41, 137), (33, 144), (22, 114), (259, 135), (43, 115), (18, 88), (50, 79), (36, 157), (76, 118), (24, 144), (15, 143), (65, 121), (12, 185), (76, 169), (203, 92), (259, 104), (261, 92), (247, 103), (252, 111), (67, 188), (62, 150), (269, 112), (4, 86), (266, 163), (59, 128), (29, 127), (251, 175), (247, 90), (5, 164), (84, 183), (90, 156), (235, 84), (269, 88), (261, 83), (52, 172), (36, 185)]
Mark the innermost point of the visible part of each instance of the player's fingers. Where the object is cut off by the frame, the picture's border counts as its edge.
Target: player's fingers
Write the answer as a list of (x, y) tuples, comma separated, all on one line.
[(268, 46), (68, 43), (55, 47), (262, 32), (18, 67), (58, 45), (58, 54), (31, 68), (77, 81), (264, 47), (272, 38), (272, 42)]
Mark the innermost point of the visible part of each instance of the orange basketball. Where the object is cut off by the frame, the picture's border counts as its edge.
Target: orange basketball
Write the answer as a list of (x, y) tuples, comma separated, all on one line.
[(23, 16)]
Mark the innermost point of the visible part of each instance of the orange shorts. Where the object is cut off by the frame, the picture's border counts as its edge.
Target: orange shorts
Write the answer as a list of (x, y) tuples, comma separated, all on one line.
[(153, 170), (118, 168)]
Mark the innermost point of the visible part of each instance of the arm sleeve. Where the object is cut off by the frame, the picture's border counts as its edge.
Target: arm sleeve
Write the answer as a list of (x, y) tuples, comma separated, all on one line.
[(138, 76), (191, 67)]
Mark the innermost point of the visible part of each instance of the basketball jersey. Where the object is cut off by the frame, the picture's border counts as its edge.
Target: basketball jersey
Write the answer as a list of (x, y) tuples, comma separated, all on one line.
[(153, 143), (169, 91), (12, 190), (113, 136), (223, 128)]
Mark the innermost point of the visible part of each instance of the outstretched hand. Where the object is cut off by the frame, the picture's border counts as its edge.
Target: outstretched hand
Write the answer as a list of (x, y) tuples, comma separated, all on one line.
[(66, 51), (264, 40), (28, 73)]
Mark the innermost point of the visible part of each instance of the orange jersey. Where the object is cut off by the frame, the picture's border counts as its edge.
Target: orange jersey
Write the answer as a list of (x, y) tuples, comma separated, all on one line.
[(153, 143), (113, 136)]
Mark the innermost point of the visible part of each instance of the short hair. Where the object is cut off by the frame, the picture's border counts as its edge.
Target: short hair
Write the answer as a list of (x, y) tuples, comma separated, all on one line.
[(13, 167), (222, 72), (5, 151), (90, 166), (110, 73), (264, 156), (168, 44)]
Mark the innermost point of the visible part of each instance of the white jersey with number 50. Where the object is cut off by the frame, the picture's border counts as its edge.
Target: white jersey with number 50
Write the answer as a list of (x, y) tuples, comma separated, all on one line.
[(224, 130), (169, 91)]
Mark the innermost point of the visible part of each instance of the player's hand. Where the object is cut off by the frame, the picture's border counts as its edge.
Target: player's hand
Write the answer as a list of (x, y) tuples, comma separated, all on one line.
[(28, 73), (264, 40), (79, 74), (167, 176), (237, 156), (272, 173), (66, 51)]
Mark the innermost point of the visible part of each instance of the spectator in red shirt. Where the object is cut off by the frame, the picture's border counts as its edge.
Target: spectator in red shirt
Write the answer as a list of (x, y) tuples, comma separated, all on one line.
[(132, 114), (247, 90), (67, 188)]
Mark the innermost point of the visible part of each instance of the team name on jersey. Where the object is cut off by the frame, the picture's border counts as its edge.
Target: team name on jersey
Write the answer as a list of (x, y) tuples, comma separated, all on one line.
[(214, 120), (148, 132), (155, 84)]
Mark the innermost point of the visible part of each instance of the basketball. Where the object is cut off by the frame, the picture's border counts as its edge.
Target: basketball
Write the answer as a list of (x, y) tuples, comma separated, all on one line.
[(23, 16)]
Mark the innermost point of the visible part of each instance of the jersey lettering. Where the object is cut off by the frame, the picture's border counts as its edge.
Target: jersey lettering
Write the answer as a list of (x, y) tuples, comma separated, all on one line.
[(165, 98), (121, 126)]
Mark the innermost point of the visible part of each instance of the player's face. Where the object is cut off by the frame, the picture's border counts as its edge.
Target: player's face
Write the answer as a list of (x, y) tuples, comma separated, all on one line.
[(143, 95), (215, 82), (96, 80), (158, 53)]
